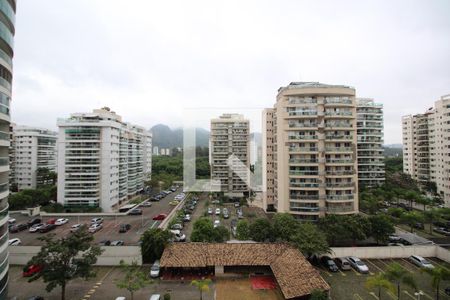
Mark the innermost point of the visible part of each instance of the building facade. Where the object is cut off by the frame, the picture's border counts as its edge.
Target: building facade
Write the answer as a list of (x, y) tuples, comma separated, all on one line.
[(7, 30), (369, 126), (310, 151), (230, 154), (31, 149), (426, 147), (102, 161)]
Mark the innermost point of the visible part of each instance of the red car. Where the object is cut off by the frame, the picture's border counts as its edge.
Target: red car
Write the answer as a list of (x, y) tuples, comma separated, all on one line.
[(160, 217), (33, 269), (51, 221)]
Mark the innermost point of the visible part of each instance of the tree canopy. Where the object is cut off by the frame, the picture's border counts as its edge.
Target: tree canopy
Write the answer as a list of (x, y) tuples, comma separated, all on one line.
[(154, 241)]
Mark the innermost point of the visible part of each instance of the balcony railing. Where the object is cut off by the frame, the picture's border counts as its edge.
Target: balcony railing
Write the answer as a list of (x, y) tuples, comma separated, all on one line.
[(302, 161), (303, 149), (339, 197), (303, 137), (304, 173)]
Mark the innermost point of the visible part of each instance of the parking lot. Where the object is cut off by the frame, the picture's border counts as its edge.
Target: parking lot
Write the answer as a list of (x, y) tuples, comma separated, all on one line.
[(351, 284), (101, 287), (110, 230)]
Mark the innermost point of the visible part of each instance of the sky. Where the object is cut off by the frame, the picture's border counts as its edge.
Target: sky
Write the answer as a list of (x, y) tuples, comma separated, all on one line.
[(159, 61)]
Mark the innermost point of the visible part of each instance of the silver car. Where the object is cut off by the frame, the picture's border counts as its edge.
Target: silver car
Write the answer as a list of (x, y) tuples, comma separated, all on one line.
[(358, 264), (420, 262)]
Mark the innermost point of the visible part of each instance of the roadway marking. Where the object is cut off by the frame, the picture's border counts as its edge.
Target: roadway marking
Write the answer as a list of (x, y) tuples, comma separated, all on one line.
[(406, 292), (415, 268), (357, 296), (357, 273), (382, 262), (97, 285), (391, 295), (342, 273), (438, 263), (381, 270), (373, 294)]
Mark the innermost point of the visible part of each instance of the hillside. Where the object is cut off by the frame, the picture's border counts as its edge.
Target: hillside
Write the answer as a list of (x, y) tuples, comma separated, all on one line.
[(165, 137)]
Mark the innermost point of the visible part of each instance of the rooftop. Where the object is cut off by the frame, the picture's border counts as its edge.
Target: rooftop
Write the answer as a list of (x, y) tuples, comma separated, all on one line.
[(294, 274), (308, 84)]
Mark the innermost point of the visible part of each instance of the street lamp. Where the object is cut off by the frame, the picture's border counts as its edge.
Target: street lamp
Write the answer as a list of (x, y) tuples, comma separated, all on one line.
[(418, 294)]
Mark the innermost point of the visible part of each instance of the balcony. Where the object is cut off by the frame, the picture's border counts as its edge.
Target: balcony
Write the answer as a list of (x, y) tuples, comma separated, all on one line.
[(303, 161), (340, 197), (302, 137), (303, 149), (339, 173), (338, 137), (339, 149), (303, 173)]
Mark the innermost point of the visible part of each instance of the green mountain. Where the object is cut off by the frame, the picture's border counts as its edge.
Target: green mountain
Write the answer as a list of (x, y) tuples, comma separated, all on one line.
[(165, 137)]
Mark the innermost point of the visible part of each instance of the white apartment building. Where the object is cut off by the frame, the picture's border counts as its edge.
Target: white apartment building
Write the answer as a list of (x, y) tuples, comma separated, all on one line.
[(369, 126), (310, 151), (230, 137), (102, 161), (426, 147), (32, 148)]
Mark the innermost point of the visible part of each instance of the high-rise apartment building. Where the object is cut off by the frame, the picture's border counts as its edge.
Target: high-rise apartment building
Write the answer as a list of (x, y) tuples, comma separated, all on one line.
[(230, 153), (31, 149), (369, 126), (426, 147), (102, 161), (309, 151), (7, 29)]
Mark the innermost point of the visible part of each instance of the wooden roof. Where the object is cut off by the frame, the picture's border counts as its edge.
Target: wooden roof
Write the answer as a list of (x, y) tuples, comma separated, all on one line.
[(294, 274)]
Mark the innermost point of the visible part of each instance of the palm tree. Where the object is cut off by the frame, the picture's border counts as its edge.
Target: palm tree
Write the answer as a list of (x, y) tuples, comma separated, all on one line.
[(398, 275), (437, 274), (379, 282), (202, 286), (431, 216)]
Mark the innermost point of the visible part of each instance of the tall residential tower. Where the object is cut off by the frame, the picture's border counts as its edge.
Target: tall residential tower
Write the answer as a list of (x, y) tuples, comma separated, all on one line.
[(7, 30), (310, 150), (102, 161)]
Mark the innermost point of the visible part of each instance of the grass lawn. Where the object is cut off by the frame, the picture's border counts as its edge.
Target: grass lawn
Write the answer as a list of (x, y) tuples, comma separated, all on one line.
[(239, 289)]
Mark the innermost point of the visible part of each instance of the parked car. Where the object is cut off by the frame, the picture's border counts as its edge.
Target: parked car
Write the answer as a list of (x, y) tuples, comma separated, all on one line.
[(394, 238), (33, 222), (117, 243), (159, 217), (216, 223), (154, 270), (47, 228), (18, 227), (105, 243), (11, 220), (96, 220), (146, 204), (419, 225), (75, 227), (358, 264), (173, 189), (95, 227), (328, 263), (135, 212), (237, 204), (217, 211), (177, 226), (121, 298), (226, 215), (61, 221), (210, 211), (240, 214), (215, 201), (441, 230), (14, 242), (342, 263), (31, 270), (420, 262), (187, 218), (178, 236), (51, 221), (36, 227), (124, 228), (155, 297)]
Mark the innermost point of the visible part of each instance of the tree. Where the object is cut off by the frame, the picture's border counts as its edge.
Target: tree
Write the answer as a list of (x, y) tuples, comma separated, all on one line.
[(310, 240), (411, 218), (398, 275), (379, 282), (318, 295), (221, 234), (358, 227), (424, 201), (437, 275), (134, 278), (431, 216), (381, 227), (202, 286), (203, 231), (154, 241), (412, 196), (242, 230), (65, 259), (334, 228), (284, 226), (261, 230)]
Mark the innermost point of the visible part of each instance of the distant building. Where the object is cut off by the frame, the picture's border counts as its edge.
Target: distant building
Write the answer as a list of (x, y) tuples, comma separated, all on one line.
[(156, 150), (230, 135), (31, 149), (310, 151), (102, 161), (165, 151), (369, 125), (426, 147)]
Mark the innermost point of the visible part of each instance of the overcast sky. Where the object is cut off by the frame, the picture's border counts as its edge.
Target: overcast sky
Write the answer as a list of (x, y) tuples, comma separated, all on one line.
[(150, 60)]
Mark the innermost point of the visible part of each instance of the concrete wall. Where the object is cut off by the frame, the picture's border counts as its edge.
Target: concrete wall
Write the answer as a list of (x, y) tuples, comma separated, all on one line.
[(20, 255), (392, 252)]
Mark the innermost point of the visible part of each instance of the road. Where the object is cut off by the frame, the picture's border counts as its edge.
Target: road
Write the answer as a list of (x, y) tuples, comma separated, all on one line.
[(111, 225)]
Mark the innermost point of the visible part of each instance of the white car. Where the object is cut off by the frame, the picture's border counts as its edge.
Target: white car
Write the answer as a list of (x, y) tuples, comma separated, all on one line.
[(217, 211), (11, 221), (421, 262), (95, 227), (155, 297), (97, 221), (61, 221), (358, 264), (210, 211), (179, 237), (121, 298), (36, 227), (154, 270), (75, 227), (14, 242), (216, 223)]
